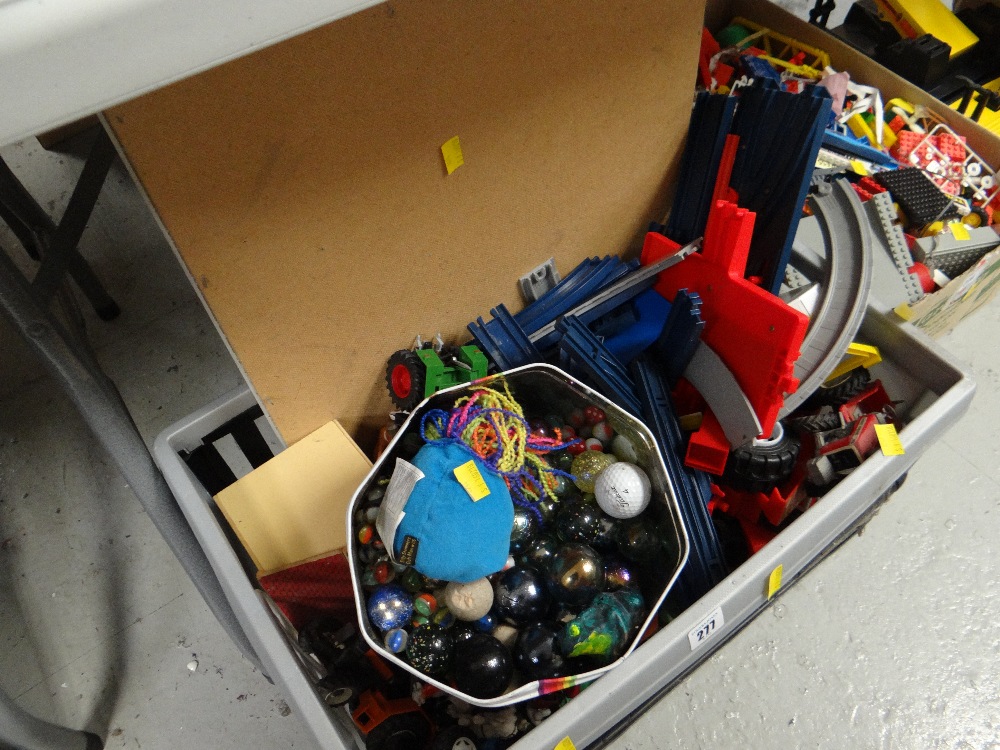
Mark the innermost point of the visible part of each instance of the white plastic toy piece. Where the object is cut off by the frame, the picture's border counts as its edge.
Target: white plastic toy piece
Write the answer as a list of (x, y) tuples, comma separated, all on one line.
[(622, 490)]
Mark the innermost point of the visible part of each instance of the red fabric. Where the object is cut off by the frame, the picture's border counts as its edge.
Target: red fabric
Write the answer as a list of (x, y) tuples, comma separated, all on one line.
[(320, 587)]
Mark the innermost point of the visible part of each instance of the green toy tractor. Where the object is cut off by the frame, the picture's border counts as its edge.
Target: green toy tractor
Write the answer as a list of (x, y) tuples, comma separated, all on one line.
[(412, 375)]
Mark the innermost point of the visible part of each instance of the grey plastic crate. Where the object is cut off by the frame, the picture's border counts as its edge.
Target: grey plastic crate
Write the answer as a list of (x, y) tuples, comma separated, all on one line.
[(936, 392)]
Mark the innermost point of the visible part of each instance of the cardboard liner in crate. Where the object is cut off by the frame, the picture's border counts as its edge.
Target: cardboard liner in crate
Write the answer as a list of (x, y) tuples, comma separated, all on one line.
[(541, 390)]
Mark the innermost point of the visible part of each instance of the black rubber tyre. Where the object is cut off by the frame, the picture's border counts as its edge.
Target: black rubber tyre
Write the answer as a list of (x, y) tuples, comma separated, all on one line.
[(846, 388), (761, 465), (408, 731), (405, 377), (828, 420)]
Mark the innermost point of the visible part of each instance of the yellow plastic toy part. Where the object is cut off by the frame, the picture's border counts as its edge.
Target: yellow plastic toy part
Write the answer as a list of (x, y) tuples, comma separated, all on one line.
[(913, 18), (781, 47), (857, 355)]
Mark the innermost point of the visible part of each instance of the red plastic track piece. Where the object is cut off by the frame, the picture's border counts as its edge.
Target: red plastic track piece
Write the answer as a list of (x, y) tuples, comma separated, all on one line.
[(756, 334)]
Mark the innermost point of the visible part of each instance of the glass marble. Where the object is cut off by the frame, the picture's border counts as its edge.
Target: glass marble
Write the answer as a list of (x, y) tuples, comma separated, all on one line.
[(389, 607), (522, 595), (425, 604), (638, 541), (618, 574), (578, 521), (588, 465), (576, 575), (395, 640), (482, 667), (523, 531), (430, 649), (541, 551), (536, 653)]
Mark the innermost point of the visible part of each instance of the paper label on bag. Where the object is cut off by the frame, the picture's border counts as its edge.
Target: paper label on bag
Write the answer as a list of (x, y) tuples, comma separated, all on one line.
[(397, 493), (472, 481)]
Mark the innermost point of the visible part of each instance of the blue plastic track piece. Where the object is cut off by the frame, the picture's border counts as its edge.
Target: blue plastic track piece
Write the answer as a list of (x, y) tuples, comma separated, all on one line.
[(706, 565), (759, 70), (583, 355), (849, 145), (711, 119), (652, 311), (681, 334), (780, 135), (504, 341), (564, 297)]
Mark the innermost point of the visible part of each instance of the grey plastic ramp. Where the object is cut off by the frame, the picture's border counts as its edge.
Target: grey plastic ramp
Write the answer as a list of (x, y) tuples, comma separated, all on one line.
[(848, 264)]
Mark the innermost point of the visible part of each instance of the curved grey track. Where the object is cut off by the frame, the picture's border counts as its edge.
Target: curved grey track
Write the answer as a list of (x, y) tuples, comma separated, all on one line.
[(848, 254)]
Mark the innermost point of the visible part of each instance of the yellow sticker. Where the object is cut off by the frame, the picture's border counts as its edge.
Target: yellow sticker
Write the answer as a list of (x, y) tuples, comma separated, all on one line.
[(774, 581), (452, 153), (903, 310), (469, 477), (959, 231), (888, 440), (565, 744), (859, 167)]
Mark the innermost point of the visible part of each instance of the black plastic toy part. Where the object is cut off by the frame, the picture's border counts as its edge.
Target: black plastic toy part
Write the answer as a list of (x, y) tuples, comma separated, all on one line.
[(761, 465), (842, 390)]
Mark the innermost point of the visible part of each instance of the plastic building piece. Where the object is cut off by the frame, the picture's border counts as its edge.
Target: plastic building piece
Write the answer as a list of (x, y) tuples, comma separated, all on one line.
[(892, 278), (843, 143), (711, 119), (680, 335), (857, 355), (708, 373), (582, 354), (950, 163), (953, 256), (771, 173), (708, 447), (759, 69), (652, 312), (919, 198), (504, 341), (779, 48), (756, 334), (922, 60), (705, 566), (846, 284), (539, 281)]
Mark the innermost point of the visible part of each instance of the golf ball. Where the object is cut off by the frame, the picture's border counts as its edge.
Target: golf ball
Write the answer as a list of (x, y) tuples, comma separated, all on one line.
[(622, 490)]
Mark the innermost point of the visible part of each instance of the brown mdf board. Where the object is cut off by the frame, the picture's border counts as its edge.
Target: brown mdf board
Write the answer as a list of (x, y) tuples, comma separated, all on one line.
[(304, 187), (863, 69)]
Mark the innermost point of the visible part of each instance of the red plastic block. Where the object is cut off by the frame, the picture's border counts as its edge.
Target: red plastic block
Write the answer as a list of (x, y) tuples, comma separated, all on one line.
[(709, 48), (708, 448), (756, 334)]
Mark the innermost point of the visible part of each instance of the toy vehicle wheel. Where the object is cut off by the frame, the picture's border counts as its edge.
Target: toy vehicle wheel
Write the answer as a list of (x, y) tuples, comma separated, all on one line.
[(454, 738), (842, 391), (405, 377), (337, 690), (407, 730), (761, 465)]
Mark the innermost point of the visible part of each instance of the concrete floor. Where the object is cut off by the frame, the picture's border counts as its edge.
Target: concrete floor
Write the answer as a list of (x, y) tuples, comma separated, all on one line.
[(892, 642)]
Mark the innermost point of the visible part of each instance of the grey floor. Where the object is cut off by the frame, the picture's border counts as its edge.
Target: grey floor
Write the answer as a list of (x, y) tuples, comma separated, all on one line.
[(892, 642)]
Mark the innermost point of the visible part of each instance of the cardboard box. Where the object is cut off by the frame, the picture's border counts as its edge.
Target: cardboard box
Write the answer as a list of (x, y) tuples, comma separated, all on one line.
[(938, 312)]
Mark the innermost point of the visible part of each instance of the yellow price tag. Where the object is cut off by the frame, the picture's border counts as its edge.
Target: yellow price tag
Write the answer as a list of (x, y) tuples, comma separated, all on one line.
[(774, 581), (565, 744), (472, 481), (959, 231), (452, 153), (888, 440)]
